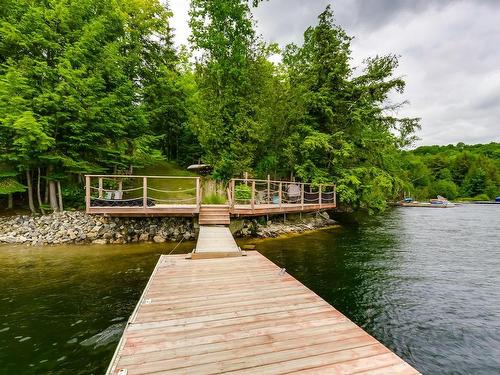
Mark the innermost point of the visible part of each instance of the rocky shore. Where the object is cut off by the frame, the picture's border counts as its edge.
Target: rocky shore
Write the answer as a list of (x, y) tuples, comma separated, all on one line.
[(80, 228)]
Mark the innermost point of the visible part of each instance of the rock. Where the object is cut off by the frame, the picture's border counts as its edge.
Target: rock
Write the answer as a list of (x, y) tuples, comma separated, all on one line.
[(71, 235), (100, 242), (159, 239), (144, 237)]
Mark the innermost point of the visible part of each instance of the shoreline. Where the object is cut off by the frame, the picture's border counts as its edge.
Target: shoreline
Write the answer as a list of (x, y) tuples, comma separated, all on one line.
[(77, 227)]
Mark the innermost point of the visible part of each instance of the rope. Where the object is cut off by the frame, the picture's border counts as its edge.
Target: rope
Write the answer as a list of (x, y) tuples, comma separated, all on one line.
[(176, 246), (113, 190), (170, 191), (116, 200), (172, 200)]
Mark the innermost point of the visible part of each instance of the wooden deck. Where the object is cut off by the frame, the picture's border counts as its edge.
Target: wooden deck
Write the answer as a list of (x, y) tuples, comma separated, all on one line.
[(270, 209), (242, 315), (129, 195)]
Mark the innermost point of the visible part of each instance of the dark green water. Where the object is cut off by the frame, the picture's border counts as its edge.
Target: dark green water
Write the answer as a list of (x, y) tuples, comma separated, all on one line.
[(425, 282)]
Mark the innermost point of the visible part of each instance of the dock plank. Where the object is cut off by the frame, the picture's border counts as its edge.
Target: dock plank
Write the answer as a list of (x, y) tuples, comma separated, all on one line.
[(242, 315)]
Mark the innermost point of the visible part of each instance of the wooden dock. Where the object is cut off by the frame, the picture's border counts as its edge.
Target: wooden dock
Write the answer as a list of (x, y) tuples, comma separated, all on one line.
[(215, 242), (242, 315)]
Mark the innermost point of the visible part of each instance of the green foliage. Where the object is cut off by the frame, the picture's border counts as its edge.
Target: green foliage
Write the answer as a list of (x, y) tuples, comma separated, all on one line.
[(214, 199), (454, 171), (9, 185), (243, 192)]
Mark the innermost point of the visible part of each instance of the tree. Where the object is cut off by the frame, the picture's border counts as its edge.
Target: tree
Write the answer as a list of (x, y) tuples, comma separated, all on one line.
[(225, 121), (345, 132), (86, 67)]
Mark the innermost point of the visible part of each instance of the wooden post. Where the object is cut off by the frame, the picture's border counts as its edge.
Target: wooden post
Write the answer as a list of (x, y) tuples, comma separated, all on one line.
[(253, 196), (268, 188), (120, 185), (198, 195), (232, 193), (87, 193), (281, 186), (320, 197), (302, 195), (145, 192), (100, 188), (335, 195)]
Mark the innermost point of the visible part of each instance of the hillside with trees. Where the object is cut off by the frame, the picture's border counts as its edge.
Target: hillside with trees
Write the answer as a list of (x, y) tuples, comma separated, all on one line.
[(454, 171), (97, 86)]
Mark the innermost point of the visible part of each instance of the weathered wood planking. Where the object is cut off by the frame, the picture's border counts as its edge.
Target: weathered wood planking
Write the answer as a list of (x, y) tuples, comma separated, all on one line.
[(242, 316), (194, 210), (215, 241)]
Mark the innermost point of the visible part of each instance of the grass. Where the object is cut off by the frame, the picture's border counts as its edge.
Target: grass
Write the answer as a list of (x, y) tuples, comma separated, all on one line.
[(214, 199)]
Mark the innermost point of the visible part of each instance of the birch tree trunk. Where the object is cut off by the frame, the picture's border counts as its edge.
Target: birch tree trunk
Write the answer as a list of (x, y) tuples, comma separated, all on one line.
[(39, 193), (30, 191), (53, 196), (59, 192)]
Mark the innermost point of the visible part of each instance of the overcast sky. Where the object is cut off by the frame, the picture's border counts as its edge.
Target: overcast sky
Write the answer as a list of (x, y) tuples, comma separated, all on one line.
[(450, 54)]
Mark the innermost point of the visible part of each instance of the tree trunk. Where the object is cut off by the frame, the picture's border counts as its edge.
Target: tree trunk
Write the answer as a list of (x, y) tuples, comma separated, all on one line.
[(53, 196), (30, 191), (46, 195), (39, 193), (59, 192), (10, 202)]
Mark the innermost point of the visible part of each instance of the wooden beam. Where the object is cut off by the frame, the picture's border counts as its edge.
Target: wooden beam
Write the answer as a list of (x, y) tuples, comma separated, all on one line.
[(320, 197), (268, 189), (198, 193), (145, 192), (280, 192), (253, 195), (302, 196), (87, 193), (100, 187)]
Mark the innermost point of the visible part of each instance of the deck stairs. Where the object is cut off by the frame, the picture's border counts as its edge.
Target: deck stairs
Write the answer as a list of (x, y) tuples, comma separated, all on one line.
[(214, 215)]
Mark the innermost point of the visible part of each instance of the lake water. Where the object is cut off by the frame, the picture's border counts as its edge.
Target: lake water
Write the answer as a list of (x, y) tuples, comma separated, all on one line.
[(425, 282)]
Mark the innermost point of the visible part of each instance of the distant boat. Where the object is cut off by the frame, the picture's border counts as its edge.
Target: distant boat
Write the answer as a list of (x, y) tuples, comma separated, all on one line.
[(440, 200)]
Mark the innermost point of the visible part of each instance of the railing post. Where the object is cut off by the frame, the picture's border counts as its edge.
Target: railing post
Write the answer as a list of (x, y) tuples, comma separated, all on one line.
[(100, 187), (268, 188), (198, 195), (303, 186), (233, 199), (320, 197), (279, 193), (145, 192), (253, 196), (87, 193)]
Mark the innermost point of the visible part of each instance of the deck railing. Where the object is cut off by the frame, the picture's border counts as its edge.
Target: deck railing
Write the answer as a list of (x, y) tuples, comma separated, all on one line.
[(149, 195), (253, 192), (141, 191)]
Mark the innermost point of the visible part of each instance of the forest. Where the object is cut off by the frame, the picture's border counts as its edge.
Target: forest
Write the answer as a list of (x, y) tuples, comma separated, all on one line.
[(97, 86)]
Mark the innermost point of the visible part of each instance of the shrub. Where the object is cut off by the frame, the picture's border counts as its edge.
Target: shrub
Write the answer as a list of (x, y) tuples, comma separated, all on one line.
[(243, 192)]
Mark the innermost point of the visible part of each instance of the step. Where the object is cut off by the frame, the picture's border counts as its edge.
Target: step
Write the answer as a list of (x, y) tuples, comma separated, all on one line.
[(214, 222), (214, 214)]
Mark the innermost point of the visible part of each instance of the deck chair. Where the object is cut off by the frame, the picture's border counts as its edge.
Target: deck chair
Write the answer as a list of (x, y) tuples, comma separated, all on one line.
[(294, 193)]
